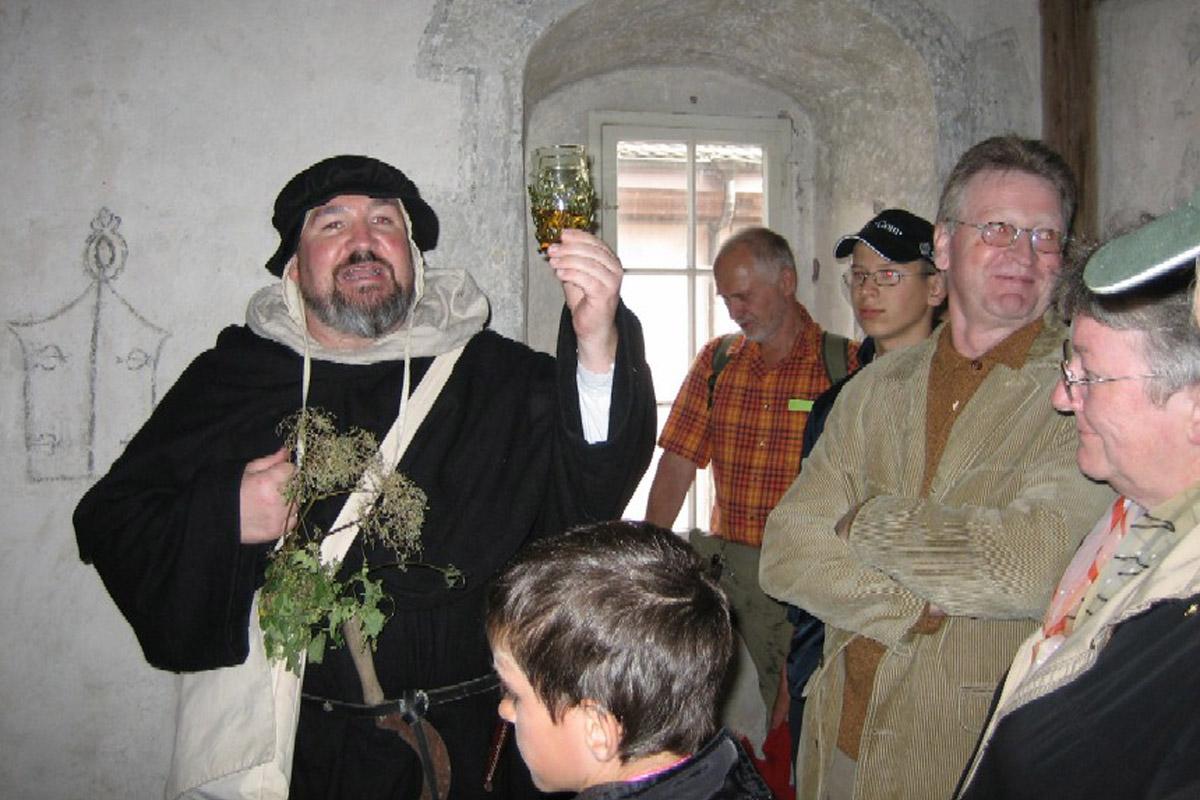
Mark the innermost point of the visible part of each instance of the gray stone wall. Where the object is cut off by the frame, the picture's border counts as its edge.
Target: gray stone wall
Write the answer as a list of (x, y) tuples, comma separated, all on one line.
[(1149, 115)]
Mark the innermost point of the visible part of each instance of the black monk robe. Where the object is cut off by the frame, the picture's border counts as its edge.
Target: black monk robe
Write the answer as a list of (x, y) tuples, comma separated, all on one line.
[(501, 457)]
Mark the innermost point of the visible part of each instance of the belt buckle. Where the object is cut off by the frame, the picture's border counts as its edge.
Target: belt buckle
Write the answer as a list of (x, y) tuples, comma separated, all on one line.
[(416, 705), (716, 566)]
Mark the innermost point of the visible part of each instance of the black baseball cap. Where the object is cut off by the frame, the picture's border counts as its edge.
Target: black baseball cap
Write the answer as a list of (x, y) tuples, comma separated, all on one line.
[(895, 234), (340, 175)]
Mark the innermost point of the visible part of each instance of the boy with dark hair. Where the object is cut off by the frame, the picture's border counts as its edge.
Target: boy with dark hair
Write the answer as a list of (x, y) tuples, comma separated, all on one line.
[(612, 643)]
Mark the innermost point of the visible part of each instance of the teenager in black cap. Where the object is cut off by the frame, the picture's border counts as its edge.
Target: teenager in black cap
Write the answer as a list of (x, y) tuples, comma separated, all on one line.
[(515, 444), (892, 283), (896, 293)]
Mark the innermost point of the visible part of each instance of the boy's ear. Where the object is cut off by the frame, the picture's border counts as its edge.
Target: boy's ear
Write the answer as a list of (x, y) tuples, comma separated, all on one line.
[(937, 289), (602, 732)]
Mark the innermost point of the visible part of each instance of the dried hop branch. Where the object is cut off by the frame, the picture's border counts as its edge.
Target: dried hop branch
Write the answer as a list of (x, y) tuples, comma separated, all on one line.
[(303, 602), (330, 463)]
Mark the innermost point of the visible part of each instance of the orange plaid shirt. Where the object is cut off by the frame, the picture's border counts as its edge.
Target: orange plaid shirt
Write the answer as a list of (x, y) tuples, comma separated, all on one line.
[(754, 431)]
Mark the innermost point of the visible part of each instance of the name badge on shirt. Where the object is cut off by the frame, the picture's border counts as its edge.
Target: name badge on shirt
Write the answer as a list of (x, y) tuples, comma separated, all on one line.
[(797, 404)]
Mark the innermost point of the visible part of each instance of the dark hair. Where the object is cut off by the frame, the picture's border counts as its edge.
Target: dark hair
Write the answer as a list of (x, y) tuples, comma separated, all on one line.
[(624, 614), (1161, 309), (768, 247), (1009, 154)]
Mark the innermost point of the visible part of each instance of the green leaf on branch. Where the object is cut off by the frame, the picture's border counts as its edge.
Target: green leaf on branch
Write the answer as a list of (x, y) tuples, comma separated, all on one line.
[(303, 604)]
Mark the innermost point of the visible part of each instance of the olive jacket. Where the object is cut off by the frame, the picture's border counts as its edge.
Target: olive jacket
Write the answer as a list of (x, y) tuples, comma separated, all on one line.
[(1005, 511)]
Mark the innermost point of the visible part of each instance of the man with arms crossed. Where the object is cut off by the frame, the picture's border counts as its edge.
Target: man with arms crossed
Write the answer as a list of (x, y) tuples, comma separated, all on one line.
[(928, 539)]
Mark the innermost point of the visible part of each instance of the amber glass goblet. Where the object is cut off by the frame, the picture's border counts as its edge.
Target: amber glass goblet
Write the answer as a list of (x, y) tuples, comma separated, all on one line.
[(561, 194)]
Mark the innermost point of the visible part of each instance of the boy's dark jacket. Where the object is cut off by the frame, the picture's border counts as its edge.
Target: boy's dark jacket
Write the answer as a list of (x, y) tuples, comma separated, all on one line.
[(721, 770)]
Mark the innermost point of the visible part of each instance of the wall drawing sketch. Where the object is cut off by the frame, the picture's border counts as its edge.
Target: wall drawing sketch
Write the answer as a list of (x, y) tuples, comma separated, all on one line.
[(89, 367)]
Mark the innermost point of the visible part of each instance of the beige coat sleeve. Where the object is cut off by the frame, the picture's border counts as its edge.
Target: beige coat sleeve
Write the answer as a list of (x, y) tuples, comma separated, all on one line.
[(1006, 509), (805, 563), (995, 544)]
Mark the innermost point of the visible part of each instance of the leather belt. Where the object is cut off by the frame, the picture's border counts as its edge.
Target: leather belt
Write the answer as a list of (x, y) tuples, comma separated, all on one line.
[(405, 716), (412, 704)]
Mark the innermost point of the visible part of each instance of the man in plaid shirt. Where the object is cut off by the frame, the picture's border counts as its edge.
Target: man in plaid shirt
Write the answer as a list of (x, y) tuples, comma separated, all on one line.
[(750, 425)]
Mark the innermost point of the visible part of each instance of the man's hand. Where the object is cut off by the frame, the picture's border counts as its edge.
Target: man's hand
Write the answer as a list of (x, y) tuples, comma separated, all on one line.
[(265, 514), (930, 621), (783, 701), (591, 279), (842, 528), (932, 617)]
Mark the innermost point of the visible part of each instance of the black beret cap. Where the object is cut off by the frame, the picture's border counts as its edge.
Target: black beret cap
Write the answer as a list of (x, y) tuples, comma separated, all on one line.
[(340, 175)]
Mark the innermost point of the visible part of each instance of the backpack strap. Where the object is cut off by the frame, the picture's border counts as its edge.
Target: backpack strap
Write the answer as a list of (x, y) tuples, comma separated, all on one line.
[(720, 358), (835, 351)]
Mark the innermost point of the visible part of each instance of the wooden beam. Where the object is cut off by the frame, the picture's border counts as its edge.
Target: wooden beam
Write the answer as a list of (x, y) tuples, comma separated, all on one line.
[(1069, 97)]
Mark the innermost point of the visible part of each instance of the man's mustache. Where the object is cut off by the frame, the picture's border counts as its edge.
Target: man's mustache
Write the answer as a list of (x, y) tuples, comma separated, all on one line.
[(364, 257)]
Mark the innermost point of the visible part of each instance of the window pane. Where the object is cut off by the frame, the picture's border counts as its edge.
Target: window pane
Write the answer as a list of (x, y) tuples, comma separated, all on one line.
[(712, 318), (679, 196), (661, 304), (652, 204), (696, 509), (702, 498), (637, 504), (729, 195)]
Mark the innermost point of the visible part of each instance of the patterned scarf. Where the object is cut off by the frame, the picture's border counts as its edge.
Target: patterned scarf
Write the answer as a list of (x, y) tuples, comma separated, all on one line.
[(1121, 546)]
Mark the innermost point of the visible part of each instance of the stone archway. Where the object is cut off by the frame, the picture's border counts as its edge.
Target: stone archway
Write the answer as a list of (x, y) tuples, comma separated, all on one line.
[(864, 100), (882, 82), (825, 50)]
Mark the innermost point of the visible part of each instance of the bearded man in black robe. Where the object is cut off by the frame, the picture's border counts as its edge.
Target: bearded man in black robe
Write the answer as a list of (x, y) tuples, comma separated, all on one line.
[(517, 444)]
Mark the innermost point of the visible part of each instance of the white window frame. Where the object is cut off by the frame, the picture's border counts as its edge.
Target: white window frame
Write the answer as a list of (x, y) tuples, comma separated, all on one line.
[(773, 134)]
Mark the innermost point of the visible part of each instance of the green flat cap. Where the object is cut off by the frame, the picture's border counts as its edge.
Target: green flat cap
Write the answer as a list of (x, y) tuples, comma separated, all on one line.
[(1171, 241)]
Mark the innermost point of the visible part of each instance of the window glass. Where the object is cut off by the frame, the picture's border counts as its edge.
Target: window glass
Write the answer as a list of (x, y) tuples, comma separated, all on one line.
[(661, 303), (652, 204), (671, 196)]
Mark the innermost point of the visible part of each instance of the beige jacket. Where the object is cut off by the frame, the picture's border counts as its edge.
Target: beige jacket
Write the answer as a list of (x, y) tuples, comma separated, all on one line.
[(1005, 512), (1177, 575)]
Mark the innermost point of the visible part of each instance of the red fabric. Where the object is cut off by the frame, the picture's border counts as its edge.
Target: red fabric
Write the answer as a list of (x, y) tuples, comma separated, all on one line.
[(776, 764)]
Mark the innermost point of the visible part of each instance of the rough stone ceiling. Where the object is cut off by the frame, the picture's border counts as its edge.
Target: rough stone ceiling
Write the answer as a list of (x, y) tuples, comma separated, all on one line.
[(822, 52)]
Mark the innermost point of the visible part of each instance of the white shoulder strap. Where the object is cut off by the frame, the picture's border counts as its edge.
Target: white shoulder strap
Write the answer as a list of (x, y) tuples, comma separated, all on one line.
[(412, 412)]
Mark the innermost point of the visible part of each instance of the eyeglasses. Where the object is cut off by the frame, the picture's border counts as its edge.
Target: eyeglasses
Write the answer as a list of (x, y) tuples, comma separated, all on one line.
[(1070, 379), (1003, 234), (857, 278)]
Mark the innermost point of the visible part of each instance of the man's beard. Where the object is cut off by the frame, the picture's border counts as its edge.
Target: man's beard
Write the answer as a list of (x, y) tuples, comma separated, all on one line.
[(368, 318)]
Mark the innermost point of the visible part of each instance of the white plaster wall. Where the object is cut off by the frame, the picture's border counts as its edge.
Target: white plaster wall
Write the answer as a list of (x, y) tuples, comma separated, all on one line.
[(184, 120), (1149, 107), (1003, 48)]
